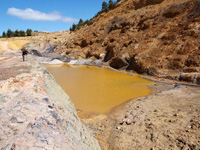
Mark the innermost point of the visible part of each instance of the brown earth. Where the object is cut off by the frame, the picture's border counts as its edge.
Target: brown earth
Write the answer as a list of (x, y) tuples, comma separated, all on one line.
[(154, 37), (169, 119)]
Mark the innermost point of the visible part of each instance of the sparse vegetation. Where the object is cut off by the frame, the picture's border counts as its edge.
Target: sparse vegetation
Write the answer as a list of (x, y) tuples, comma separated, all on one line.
[(79, 25), (105, 8), (111, 4)]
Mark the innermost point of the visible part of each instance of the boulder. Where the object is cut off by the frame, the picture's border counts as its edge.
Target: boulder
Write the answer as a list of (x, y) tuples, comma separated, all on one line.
[(55, 62), (109, 53), (117, 63), (35, 52)]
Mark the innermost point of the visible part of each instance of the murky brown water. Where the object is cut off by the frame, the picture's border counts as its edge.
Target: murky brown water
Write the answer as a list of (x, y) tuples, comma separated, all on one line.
[(95, 90)]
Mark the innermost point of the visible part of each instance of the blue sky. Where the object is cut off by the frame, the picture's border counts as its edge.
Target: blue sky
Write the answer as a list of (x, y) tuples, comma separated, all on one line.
[(45, 15)]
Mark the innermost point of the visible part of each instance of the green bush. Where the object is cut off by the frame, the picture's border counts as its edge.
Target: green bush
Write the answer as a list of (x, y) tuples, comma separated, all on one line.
[(21, 33), (111, 4), (28, 32), (9, 33), (4, 34), (16, 33)]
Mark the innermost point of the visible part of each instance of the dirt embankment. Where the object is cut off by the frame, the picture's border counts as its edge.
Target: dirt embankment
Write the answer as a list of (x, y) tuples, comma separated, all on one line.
[(168, 119), (7, 45), (35, 112), (155, 37)]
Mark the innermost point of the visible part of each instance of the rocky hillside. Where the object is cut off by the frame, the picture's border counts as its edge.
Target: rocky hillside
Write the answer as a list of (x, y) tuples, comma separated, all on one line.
[(35, 113), (154, 37)]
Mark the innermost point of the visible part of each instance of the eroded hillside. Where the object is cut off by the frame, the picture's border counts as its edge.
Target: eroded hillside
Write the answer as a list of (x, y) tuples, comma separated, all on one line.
[(156, 37)]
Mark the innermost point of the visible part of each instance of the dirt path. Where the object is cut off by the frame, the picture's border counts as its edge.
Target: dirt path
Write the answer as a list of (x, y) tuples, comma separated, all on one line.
[(10, 62), (12, 66)]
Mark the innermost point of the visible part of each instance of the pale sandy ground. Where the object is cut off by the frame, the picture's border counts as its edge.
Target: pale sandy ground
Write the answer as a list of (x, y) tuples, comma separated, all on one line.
[(8, 45), (4, 46)]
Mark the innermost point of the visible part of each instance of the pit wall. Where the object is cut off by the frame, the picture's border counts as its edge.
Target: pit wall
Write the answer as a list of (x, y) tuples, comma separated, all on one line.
[(37, 114)]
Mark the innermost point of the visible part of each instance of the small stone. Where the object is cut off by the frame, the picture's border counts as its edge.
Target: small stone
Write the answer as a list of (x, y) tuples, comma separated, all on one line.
[(128, 122), (46, 99), (13, 120), (17, 108), (20, 120), (54, 114), (99, 129), (118, 128), (15, 91), (13, 147), (51, 107)]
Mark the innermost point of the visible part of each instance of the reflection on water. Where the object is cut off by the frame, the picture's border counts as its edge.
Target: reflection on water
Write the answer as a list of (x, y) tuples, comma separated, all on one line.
[(95, 90)]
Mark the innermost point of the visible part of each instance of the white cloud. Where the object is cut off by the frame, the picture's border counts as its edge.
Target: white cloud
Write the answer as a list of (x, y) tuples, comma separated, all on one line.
[(30, 14)]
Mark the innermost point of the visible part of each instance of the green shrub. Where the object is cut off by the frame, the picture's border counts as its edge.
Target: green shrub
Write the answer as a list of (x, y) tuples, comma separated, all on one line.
[(28, 32), (4, 34)]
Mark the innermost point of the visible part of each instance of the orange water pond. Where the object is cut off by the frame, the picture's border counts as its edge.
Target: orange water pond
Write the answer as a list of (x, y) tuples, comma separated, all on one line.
[(95, 90)]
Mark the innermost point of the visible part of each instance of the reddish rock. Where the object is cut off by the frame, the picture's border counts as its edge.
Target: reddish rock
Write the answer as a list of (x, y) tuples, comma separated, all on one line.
[(163, 34)]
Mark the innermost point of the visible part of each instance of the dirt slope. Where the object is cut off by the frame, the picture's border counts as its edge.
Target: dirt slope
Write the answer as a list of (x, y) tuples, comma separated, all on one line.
[(156, 37)]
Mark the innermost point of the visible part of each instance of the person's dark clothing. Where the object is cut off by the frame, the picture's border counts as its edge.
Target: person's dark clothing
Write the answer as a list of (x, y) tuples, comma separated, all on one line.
[(24, 52)]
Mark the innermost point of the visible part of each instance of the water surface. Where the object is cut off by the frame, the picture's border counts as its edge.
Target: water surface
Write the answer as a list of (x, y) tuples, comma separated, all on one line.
[(95, 90)]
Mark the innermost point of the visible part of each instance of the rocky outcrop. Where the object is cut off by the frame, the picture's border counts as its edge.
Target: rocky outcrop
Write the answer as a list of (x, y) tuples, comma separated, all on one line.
[(142, 3), (160, 37), (35, 113)]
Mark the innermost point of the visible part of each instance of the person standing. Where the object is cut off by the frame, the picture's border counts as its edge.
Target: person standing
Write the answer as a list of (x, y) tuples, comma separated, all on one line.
[(24, 52)]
